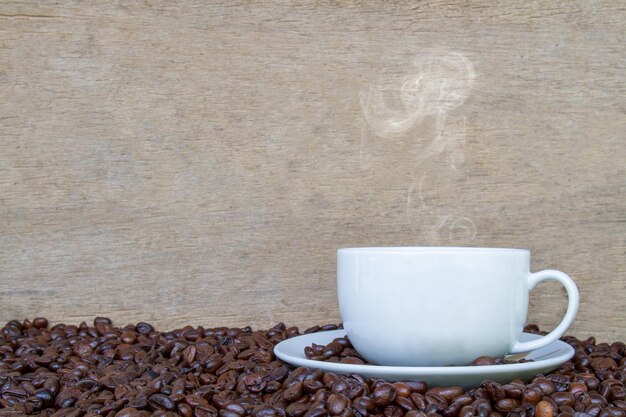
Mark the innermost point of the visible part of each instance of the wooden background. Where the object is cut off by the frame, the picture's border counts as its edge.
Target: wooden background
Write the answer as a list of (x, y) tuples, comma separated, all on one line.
[(193, 163)]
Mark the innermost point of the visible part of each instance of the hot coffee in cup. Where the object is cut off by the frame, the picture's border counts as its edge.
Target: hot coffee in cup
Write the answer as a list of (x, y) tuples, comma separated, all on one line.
[(420, 306)]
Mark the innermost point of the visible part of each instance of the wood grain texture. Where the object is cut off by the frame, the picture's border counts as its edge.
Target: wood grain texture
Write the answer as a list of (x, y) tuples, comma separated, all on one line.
[(194, 163)]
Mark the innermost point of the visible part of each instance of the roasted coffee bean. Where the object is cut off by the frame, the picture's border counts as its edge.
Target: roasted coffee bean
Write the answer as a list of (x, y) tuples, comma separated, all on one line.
[(402, 389), (494, 391), (228, 413), (532, 395), (417, 386), (312, 385), (514, 390), (419, 400), (297, 409), (447, 393), (435, 403), (205, 411), (320, 396), (337, 403), (128, 337), (315, 412), (547, 386), (393, 411), (563, 398), (40, 323), (161, 402), (184, 409), (405, 403), (384, 394), (293, 392), (455, 408), (126, 412), (363, 405), (506, 405), (484, 361), (593, 410)]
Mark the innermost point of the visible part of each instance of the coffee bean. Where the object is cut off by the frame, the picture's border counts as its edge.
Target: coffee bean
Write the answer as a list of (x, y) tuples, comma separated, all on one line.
[(415, 413), (563, 398), (311, 385), (160, 402), (101, 320), (506, 405), (419, 400), (393, 411), (314, 412), (514, 390), (297, 409), (484, 361), (532, 396), (40, 323), (447, 393), (598, 399), (435, 403), (337, 403), (402, 389), (593, 410), (603, 363), (405, 403), (293, 392), (126, 412), (363, 405), (228, 413), (384, 394), (494, 391), (129, 337), (184, 409), (455, 408)]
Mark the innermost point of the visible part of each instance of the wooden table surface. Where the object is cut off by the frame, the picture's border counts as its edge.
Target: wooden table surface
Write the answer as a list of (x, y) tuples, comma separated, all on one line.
[(200, 163)]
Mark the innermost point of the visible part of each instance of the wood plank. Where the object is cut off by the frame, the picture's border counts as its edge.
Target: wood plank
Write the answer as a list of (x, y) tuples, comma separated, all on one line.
[(185, 163)]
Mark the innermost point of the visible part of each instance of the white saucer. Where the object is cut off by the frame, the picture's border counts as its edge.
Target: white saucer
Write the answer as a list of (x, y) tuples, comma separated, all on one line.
[(545, 360)]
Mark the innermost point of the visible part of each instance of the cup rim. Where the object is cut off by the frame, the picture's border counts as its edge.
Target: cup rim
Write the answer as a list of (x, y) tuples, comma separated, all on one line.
[(426, 249)]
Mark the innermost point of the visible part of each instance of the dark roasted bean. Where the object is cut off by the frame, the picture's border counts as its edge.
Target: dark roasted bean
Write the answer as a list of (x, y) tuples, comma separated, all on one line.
[(184, 409), (447, 393), (337, 403), (543, 409), (563, 398), (402, 389), (405, 403), (514, 390), (363, 405), (435, 403), (293, 392), (384, 394), (314, 412), (297, 409), (40, 323), (506, 404), (161, 402), (494, 391), (532, 395), (228, 413)]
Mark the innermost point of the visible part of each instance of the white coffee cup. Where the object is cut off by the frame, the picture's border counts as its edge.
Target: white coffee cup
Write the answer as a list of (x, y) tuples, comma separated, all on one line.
[(438, 306)]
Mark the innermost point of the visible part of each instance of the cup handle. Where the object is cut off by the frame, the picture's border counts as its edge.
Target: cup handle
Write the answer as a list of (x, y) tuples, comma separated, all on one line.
[(570, 314)]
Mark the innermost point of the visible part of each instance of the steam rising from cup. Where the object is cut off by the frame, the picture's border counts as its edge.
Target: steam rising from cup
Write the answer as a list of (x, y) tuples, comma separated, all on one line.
[(437, 85)]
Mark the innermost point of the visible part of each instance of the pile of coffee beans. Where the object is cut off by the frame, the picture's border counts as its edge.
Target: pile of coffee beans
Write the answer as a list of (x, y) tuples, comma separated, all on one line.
[(341, 350), (136, 371)]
